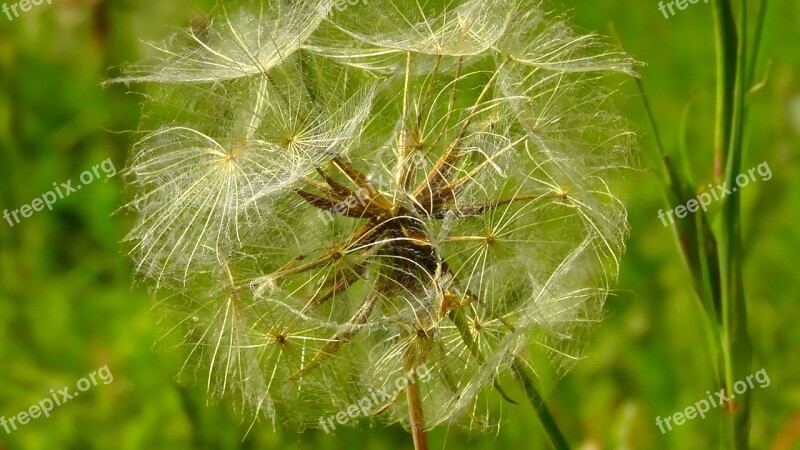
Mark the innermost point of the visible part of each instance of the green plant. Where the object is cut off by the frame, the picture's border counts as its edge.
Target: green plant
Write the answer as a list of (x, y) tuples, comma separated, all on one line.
[(711, 244), (329, 200)]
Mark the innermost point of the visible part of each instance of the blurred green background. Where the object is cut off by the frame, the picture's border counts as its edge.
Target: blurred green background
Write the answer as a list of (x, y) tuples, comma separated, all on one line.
[(67, 305)]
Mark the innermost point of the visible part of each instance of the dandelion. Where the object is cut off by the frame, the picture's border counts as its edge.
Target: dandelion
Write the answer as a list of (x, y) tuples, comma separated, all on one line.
[(494, 231)]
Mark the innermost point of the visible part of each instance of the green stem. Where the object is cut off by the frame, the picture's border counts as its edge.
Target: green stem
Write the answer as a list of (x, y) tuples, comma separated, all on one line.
[(727, 45), (548, 422), (736, 347), (522, 373)]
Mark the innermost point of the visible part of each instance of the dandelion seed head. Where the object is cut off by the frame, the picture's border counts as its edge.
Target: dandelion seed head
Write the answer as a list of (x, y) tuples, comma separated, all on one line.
[(327, 200)]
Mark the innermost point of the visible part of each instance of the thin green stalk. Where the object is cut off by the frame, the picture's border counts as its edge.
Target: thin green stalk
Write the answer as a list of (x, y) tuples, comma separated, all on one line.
[(522, 373), (695, 239), (548, 421), (727, 46), (708, 262), (736, 349)]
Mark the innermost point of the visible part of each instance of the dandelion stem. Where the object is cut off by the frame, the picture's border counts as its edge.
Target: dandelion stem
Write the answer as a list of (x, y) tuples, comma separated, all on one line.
[(415, 412)]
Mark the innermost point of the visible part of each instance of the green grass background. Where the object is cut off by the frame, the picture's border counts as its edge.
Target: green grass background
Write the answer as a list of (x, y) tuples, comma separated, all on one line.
[(67, 305)]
